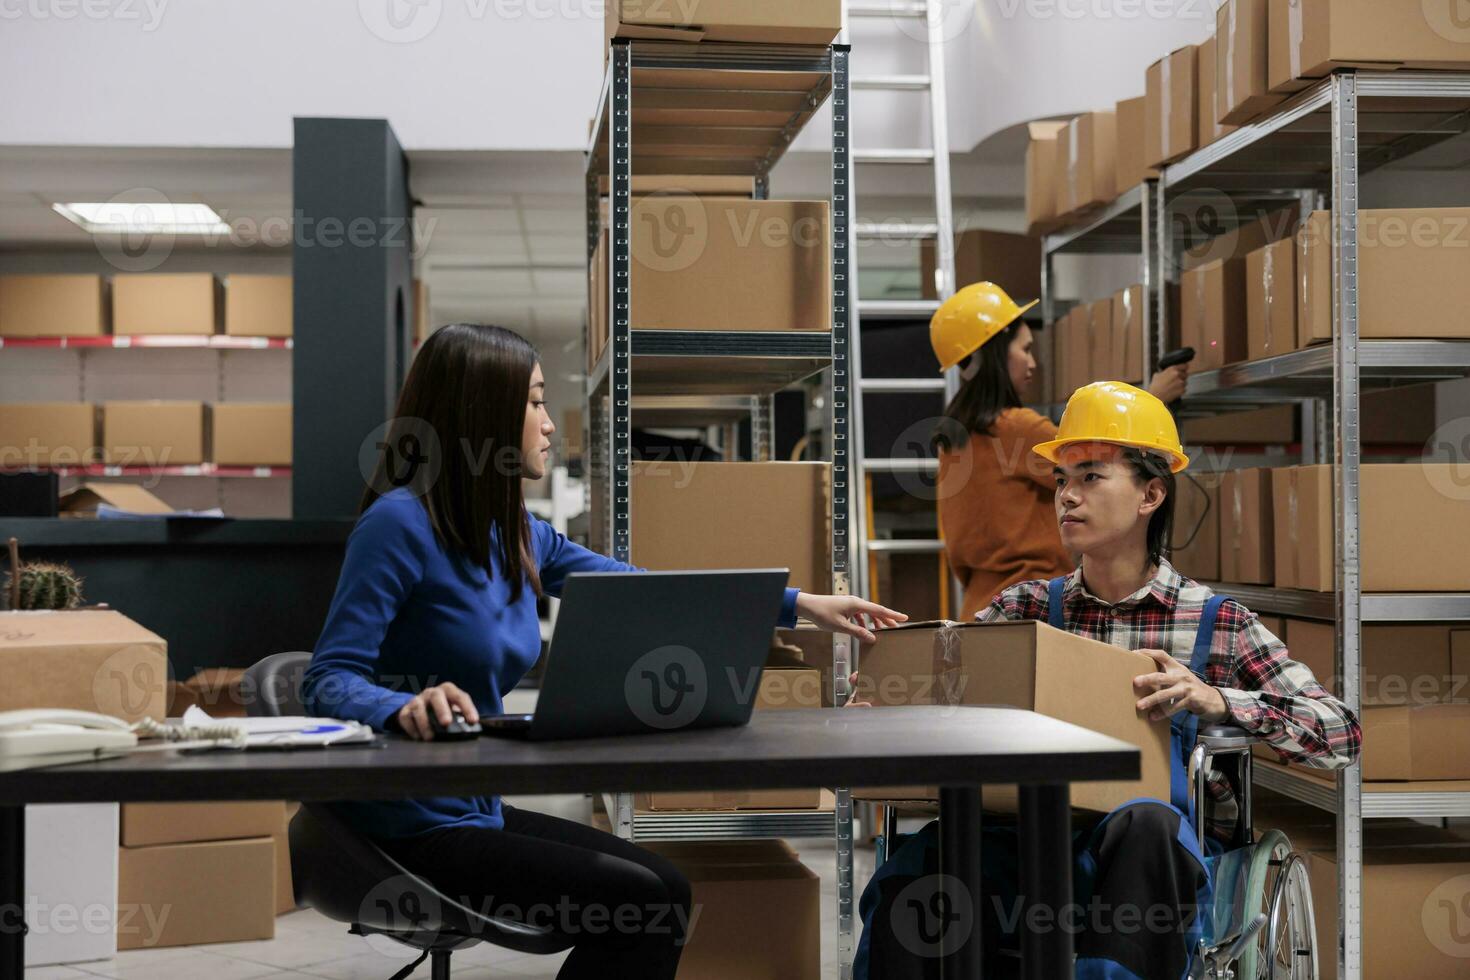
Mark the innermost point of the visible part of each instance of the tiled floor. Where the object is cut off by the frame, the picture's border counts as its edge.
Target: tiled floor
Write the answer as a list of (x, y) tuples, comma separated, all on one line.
[(310, 947)]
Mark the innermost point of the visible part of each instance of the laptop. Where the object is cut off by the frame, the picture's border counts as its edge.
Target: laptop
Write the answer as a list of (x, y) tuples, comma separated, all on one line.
[(644, 652)]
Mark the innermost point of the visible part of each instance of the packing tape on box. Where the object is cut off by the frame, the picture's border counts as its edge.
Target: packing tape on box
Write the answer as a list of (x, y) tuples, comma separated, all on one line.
[(1268, 278), (1291, 519), (1199, 303), (1237, 508), (947, 665), (1304, 262), (1294, 33), (1073, 200), (1165, 107), (1229, 66)]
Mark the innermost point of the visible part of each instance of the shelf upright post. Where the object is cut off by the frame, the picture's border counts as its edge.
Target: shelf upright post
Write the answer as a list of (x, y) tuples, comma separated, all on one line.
[(1150, 202), (843, 397), (1348, 452), (1162, 261)]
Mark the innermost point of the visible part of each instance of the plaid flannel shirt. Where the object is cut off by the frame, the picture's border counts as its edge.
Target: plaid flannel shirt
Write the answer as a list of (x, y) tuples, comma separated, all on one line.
[(1267, 693)]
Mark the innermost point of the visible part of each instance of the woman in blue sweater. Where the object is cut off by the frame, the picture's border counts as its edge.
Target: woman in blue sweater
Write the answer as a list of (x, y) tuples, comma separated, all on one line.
[(435, 610)]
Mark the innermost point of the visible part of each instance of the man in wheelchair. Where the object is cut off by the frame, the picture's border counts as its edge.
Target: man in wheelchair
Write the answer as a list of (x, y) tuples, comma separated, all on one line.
[(1167, 888)]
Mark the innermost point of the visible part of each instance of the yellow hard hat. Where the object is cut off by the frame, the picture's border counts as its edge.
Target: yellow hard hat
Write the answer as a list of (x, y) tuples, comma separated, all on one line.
[(968, 319), (1111, 411)]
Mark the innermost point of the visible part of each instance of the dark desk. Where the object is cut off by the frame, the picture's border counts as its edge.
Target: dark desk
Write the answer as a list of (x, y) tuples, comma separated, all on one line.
[(956, 748)]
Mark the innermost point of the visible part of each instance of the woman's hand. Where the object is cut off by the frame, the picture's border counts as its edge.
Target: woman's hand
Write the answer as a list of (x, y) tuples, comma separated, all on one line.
[(1168, 385), (852, 699), (1176, 688), (413, 717), (846, 613)]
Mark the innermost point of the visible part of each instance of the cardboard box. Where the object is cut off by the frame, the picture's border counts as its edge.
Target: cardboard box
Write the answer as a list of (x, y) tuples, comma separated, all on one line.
[(1459, 686), (1012, 262), (1412, 535), (1400, 665), (85, 499), (1410, 901), (1128, 333), (89, 660), (1411, 270), (693, 260), (699, 515), (1087, 174), (1207, 111), (166, 303), (47, 434), (1270, 300), (153, 433), (146, 824), (285, 887), (1416, 742), (188, 894), (1274, 426), (597, 302), (1196, 534), (759, 911), (251, 434), (53, 306), (753, 21), (422, 325), (71, 882), (1247, 527), (1025, 665), (699, 185), (1131, 124), (1212, 303), (258, 306), (1310, 38), (1238, 242), (571, 433), (913, 584), (220, 691), (1042, 153), (1105, 360), (1241, 66), (1170, 127), (1399, 417)]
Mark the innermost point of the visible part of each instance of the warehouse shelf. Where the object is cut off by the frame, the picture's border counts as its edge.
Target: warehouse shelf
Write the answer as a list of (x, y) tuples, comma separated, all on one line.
[(201, 469), (1307, 373), (722, 824), (671, 362), (713, 108), (897, 309), (903, 546), (690, 411), (189, 341), (1115, 228), (903, 386), (1378, 607), (915, 465), (1423, 800)]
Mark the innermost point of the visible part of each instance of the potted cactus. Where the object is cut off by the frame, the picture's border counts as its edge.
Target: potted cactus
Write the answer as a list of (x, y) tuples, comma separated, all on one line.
[(41, 585)]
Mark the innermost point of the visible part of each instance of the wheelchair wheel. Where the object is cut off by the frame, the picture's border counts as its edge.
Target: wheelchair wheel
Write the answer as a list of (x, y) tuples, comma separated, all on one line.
[(1286, 949)]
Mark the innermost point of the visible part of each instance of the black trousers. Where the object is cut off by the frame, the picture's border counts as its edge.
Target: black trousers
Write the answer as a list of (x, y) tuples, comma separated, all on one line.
[(625, 909)]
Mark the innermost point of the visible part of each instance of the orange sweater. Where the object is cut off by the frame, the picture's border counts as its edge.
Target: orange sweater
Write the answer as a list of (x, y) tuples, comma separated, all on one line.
[(996, 507)]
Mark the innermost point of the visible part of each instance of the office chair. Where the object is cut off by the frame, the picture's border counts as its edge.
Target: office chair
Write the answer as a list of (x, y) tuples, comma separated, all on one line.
[(346, 877)]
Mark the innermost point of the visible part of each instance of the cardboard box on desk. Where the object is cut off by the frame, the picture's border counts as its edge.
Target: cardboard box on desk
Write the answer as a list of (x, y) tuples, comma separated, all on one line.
[(154, 433), (1026, 665), (94, 660), (1011, 261), (251, 434), (47, 434), (1212, 309), (1411, 274), (258, 306), (760, 912), (1131, 124), (1412, 532), (787, 501), (1087, 163), (188, 894), (1308, 39), (166, 303), (53, 306), (1247, 527), (1196, 533), (1270, 300), (1241, 66), (1170, 127), (814, 22), (1042, 158)]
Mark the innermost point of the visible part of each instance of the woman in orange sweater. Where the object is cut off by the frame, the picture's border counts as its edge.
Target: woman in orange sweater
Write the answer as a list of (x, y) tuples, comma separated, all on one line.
[(995, 500)]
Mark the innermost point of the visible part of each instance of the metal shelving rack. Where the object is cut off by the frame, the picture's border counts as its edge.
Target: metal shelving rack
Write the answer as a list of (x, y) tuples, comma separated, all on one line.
[(1319, 143), (700, 377)]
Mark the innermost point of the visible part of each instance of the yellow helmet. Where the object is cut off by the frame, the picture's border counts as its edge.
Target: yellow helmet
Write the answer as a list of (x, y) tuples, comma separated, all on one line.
[(968, 319), (1111, 411)]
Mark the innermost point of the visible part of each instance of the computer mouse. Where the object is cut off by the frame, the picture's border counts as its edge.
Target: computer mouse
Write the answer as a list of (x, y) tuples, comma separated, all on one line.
[(458, 730)]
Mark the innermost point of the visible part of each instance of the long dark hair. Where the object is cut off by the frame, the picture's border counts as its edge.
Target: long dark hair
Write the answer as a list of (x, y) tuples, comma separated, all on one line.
[(984, 397), (458, 425), (1151, 466)]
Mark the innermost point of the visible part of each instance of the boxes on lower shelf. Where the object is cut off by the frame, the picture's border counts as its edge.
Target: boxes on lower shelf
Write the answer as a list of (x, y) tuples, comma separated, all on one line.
[(166, 303), (146, 824), (1399, 664), (1196, 532), (47, 434), (251, 434), (1025, 665), (1274, 426), (94, 660), (1212, 313), (1012, 261), (1128, 334), (1270, 300), (1412, 532), (154, 433), (1247, 527), (53, 306), (187, 894), (258, 306), (759, 913), (724, 501), (1308, 39)]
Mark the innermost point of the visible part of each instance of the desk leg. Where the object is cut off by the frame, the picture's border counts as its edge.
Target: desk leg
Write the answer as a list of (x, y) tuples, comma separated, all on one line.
[(1046, 882), (959, 868), (12, 891)]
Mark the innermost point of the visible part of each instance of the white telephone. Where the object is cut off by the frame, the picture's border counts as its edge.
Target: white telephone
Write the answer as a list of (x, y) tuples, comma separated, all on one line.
[(50, 736)]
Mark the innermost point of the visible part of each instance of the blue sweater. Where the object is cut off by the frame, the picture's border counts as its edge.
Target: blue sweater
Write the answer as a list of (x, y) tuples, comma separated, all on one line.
[(409, 614)]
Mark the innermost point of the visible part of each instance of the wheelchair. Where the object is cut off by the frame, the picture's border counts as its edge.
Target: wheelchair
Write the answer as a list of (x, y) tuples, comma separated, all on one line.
[(1261, 925)]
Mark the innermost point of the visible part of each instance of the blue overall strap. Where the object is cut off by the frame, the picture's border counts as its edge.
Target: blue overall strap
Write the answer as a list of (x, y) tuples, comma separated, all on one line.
[(1185, 726), (1054, 589)]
